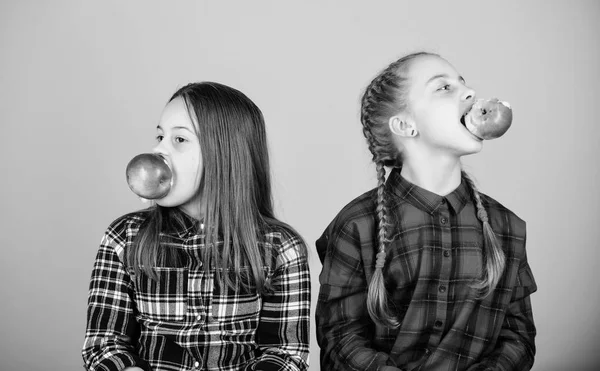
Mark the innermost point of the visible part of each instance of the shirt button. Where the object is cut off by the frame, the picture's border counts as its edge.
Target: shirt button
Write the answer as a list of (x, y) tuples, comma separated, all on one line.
[(446, 253), (444, 220), (438, 323), (196, 364), (199, 317), (442, 288)]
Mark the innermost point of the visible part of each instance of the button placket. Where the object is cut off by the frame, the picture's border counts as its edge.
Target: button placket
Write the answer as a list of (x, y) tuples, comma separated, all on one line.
[(196, 299), (445, 269)]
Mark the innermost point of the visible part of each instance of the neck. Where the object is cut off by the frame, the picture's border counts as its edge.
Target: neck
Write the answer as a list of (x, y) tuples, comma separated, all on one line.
[(440, 175), (194, 207)]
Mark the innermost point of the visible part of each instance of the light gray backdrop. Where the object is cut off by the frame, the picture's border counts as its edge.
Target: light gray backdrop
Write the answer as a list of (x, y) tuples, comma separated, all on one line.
[(82, 85)]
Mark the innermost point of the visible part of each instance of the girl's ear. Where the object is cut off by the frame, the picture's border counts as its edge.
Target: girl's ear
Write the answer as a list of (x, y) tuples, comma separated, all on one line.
[(403, 126)]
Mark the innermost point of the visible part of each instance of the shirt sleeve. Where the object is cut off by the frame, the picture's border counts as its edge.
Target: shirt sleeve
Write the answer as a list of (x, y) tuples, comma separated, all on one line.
[(111, 325), (515, 349), (283, 331), (343, 324)]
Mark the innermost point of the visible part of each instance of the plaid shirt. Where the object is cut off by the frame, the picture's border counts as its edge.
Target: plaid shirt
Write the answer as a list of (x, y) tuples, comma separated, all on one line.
[(434, 254), (184, 321)]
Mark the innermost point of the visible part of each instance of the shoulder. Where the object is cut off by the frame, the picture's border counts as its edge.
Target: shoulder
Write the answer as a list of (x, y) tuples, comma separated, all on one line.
[(503, 219), (353, 225), (284, 242), (118, 235), (358, 212), (124, 228)]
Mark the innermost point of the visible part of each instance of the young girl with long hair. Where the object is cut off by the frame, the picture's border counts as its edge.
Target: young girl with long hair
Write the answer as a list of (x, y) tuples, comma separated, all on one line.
[(423, 272), (207, 278)]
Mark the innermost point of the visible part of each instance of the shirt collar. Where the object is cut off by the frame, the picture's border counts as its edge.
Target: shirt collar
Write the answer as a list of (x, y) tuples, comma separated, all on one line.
[(182, 225), (424, 199)]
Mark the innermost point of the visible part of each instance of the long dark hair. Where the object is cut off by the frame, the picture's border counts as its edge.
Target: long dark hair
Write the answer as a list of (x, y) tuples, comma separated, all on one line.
[(386, 96), (235, 187)]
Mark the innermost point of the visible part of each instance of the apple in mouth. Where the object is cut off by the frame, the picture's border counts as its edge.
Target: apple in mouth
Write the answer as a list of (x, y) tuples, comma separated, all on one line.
[(149, 176), (488, 118)]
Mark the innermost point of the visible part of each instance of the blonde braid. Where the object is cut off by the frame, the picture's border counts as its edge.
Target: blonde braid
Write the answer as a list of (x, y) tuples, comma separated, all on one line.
[(377, 296), (383, 98), (493, 255)]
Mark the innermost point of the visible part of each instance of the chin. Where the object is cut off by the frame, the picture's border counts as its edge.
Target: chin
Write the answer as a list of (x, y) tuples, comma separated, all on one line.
[(478, 146), (470, 147), (473, 148), (169, 201), (164, 203)]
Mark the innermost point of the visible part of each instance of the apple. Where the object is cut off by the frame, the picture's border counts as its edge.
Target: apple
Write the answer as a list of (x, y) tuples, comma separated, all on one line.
[(149, 176), (489, 118)]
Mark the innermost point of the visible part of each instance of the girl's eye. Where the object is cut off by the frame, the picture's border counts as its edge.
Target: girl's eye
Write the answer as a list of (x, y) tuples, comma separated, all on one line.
[(159, 138), (445, 87), (179, 139)]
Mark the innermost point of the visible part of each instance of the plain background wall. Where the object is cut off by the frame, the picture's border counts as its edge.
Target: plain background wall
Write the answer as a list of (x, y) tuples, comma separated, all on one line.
[(82, 85)]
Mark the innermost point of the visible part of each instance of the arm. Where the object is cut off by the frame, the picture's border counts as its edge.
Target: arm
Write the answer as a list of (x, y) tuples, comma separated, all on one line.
[(515, 349), (111, 324), (283, 330), (344, 327)]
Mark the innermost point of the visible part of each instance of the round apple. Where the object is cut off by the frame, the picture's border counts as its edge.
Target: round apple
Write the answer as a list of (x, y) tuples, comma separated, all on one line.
[(149, 176), (489, 118)]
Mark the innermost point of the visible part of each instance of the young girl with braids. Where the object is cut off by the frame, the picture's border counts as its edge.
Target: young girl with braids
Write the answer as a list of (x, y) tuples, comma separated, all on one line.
[(207, 278), (424, 272)]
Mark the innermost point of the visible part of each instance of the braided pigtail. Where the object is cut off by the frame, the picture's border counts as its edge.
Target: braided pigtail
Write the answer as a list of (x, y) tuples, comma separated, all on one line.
[(384, 153), (377, 298), (383, 98), (493, 255)]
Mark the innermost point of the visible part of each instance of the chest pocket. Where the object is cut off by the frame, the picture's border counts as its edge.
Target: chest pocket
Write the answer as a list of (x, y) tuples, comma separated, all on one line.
[(232, 305), (165, 300)]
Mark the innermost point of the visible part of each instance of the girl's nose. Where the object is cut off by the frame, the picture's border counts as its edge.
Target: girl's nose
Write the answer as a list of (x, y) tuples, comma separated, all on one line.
[(159, 148), (469, 95)]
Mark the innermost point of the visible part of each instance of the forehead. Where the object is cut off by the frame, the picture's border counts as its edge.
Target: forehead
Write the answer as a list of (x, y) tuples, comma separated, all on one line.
[(176, 114), (426, 67)]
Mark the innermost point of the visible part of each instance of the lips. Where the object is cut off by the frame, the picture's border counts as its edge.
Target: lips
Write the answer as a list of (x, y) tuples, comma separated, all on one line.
[(465, 113)]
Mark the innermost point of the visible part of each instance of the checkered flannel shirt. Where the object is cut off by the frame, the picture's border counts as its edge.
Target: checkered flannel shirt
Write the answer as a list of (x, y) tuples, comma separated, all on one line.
[(434, 255), (184, 321)]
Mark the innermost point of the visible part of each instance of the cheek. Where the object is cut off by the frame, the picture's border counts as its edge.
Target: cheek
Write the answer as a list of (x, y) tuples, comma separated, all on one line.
[(196, 167), (432, 117)]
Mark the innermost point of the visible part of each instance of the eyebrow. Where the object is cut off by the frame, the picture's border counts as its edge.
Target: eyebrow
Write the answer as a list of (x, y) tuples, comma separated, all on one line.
[(460, 78), (174, 127)]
